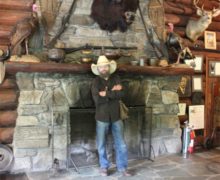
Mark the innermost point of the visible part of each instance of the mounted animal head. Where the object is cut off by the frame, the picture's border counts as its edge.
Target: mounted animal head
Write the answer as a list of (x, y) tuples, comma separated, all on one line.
[(114, 14), (195, 28)]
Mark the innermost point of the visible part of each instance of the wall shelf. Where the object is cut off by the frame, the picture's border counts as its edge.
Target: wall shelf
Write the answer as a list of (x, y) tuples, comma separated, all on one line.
[(14, 67)]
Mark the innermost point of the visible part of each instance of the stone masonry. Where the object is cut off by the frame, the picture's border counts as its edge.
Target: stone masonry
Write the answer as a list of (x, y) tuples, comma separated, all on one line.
[(82, 29), (45, 99)]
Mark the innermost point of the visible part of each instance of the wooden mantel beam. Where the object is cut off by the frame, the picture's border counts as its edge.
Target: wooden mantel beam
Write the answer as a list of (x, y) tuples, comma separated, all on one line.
[(14, 67)]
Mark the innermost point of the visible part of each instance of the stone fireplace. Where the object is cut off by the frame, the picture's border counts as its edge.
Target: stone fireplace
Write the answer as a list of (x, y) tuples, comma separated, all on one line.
[(56, 119)]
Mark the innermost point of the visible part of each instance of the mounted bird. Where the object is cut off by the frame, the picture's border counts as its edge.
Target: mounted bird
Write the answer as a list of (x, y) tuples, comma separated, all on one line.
[(175, 45)]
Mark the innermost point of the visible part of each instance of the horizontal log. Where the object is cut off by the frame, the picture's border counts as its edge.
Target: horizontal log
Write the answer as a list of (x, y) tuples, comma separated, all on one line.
[(190, 2), (8, 118), (8, 84), (181, 32), (6, 135), (190, 44), (3, 47), (9, 18), (8, 96), (24, 5), (206, 53), (179, 9), (8, 106), (177, 20), (181, 21), (13, 67), (198, 44), (5, 34), (182, 9), (6, 28), (5, 41), (149, 70)]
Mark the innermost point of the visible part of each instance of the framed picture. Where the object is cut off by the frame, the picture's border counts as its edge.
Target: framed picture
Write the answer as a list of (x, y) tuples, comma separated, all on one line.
[(196, 63), (214, 68), (197, 84), (182, 109), (197, 116), (184, 89), (210, 40)]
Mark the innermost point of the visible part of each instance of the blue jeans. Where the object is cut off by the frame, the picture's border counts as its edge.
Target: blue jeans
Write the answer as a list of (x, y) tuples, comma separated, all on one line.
[(120, 147)]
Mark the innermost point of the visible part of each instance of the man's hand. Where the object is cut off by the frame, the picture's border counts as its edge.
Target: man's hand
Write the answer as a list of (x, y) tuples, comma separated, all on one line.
[(102, 93), (117, 87)]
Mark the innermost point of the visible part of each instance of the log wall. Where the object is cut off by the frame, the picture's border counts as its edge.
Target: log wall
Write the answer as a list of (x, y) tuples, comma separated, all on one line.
[(8, 105), (179, 12), (16, 23)]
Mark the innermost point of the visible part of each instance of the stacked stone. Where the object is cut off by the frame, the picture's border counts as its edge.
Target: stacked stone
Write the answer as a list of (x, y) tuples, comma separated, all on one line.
[(163, 99), (42, 100), (161, 121), (48, 97), (82, 29)]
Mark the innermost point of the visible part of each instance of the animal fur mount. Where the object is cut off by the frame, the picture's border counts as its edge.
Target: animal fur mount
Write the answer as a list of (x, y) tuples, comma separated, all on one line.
[(114, 14), (195, 28)]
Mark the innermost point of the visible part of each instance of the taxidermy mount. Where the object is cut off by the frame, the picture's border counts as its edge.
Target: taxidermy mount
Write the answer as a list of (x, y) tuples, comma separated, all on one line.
[(114, 15)]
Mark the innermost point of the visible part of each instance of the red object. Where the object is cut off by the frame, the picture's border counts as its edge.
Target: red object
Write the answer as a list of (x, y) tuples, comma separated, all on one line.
[(191, 143)]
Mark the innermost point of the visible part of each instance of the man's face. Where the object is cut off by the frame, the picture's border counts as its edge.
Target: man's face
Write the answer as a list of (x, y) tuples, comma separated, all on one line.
[(104, 70)]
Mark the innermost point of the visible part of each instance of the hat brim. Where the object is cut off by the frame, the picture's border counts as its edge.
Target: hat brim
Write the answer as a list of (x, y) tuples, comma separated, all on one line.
[(112, 64)]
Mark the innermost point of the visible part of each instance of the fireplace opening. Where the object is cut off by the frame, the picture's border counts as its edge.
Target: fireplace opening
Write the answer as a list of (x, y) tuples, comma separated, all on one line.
[(82, 147)]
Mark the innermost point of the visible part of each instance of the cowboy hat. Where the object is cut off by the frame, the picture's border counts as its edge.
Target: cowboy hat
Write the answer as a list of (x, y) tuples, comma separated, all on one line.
[(102, 60)]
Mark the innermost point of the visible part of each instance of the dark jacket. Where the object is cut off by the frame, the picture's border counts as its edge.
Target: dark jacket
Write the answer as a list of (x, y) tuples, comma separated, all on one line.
[(107, 108)]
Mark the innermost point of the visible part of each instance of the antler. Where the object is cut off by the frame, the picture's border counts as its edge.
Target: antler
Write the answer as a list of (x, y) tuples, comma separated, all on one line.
[(215, 11), (200, 11), (195, 2)]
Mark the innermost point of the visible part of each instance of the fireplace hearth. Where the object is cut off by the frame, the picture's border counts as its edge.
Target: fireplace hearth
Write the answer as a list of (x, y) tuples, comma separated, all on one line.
[(67, 99), (82, 148)]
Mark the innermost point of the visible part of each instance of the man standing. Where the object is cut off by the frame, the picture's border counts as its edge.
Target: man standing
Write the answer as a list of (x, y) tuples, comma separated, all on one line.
[(106, 92)]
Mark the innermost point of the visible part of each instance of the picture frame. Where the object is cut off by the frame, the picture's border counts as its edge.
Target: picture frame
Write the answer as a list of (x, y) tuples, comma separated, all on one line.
[(214, 68), (196, 63), (210, 40), (197, 116), (182, 109), (184, 89), (197, 84)]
